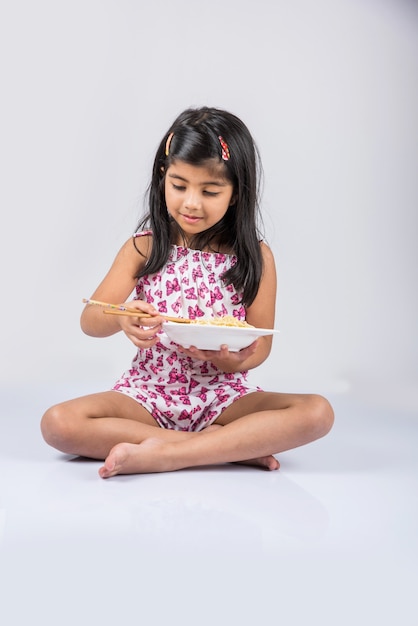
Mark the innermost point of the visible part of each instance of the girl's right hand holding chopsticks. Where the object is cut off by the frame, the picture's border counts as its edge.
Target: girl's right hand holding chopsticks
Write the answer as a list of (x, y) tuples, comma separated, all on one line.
[(142, 330)]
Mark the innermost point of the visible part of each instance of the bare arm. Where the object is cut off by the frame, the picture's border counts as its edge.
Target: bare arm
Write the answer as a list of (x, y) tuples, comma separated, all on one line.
[(116, 287), (261, 313)]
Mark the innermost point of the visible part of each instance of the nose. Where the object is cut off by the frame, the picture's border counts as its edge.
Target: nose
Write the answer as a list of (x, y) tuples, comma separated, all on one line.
[(192, 202)]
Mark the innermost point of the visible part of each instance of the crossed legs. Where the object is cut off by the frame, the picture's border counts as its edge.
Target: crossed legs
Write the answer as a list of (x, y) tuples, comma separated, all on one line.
[(112, 427)]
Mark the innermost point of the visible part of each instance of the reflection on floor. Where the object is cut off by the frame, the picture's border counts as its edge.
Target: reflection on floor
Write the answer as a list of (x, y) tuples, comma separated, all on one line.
[(330, 539)]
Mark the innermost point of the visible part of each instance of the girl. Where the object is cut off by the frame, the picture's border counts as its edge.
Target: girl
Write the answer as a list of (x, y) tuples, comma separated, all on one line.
[(197, 253)]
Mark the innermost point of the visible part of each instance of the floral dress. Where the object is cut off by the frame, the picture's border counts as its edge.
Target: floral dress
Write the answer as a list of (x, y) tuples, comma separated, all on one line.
[(180, 392)]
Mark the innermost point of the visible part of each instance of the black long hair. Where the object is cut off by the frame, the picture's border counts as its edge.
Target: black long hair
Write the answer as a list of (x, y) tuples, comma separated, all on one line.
[(195, 141)]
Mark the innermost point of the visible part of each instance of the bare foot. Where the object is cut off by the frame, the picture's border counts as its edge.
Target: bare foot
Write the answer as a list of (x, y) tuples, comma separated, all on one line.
[(136, 458), (266, 462)]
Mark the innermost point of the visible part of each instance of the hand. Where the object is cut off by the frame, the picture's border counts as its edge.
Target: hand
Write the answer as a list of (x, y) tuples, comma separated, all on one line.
[(142, 331), (223, 359)]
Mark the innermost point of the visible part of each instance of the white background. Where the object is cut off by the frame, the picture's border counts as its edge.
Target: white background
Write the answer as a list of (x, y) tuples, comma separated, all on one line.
[(329, 90)]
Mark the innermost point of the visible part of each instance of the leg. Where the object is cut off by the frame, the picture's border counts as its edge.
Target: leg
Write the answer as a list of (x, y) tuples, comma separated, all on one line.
[(91, 425), (256, 426)]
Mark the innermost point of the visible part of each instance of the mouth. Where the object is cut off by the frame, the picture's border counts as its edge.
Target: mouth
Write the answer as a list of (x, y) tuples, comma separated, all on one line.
[(191, 219)]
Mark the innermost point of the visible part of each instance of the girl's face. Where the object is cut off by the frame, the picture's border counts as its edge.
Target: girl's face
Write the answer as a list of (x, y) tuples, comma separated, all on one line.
[(197, 197)]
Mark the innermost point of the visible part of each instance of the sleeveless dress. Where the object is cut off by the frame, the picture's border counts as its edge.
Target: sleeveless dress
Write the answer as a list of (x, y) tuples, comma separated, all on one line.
[(180, 392)]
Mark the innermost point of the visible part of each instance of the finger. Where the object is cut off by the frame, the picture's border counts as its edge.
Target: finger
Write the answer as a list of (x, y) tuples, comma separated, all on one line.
[(144, 307)]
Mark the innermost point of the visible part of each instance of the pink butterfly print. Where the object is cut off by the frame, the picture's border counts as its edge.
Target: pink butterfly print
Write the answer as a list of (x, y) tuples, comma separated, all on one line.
[(121, 385), (175, 376), (195, 257), (184, 267), (162, 306), (149, 296), (197, 272), (205, 418), (203, 394), (176, 306), (182, 252), (223, 311), (241, 391), (239, 313), (202, 290), (206, 257), (222, 398), (216, 294), (214, 380), (219, 258), (185, 399), (167, 399), (204, 368), (194, 312), (172, 358), (191, 294), (211, 279), (172, 286), (170, 268), (159, 361), (211, 415), (185, 415), (145, 280), (193, 383), (159, 293)]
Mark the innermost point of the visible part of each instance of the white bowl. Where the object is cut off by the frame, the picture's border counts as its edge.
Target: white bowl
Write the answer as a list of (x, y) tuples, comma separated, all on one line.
[(212, 337)]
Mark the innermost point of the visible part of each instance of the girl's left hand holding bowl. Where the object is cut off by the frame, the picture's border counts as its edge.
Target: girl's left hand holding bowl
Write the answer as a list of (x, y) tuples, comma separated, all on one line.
[(224, 360)]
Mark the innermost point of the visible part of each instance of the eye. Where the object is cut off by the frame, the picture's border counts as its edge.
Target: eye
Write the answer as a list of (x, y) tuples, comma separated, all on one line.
[(178, 187), (211, 193)]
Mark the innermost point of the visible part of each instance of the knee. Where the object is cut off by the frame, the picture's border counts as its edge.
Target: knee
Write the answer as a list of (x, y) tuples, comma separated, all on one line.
[(321, 415), (56, 427)]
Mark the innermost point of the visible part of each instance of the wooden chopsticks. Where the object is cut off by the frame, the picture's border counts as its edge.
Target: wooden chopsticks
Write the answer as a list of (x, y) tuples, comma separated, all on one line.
[(121, 309)]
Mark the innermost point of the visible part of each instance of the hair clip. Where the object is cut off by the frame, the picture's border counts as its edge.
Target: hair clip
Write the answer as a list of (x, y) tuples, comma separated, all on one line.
[(167, 144), (225, 149)]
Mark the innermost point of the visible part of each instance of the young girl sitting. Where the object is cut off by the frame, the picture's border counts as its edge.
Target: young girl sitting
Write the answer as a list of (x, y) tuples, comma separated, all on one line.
[(197, 254)]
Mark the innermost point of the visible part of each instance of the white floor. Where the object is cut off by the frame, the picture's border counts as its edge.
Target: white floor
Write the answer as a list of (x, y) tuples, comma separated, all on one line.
[(330, 539)]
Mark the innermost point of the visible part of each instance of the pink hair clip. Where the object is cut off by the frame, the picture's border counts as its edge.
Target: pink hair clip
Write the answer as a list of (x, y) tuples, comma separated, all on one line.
[(225, 149)]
